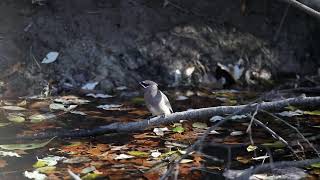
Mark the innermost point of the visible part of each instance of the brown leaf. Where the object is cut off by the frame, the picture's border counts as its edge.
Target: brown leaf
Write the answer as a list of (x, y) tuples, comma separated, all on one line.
[(3, 163)]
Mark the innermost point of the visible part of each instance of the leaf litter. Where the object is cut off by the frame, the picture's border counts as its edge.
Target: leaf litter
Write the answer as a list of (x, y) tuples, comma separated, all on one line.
[(117, 157)]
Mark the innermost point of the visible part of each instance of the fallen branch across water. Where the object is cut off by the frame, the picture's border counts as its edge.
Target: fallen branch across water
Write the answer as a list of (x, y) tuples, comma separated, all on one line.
[(192, 115)]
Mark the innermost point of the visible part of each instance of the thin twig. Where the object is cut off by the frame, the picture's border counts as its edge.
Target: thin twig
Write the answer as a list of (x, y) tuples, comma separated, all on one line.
[(275, 38), (276, 136), (294, 128)]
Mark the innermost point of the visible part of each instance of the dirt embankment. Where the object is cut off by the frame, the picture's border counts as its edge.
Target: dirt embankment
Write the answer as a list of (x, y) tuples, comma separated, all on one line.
[(121, 42)]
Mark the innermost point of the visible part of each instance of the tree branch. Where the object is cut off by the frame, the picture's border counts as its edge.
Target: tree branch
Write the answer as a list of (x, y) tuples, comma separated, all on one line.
[(195, 114)]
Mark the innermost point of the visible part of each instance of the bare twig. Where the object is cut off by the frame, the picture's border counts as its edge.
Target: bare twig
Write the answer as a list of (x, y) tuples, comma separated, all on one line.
[(294, 128), (276, 136), (275, 38)]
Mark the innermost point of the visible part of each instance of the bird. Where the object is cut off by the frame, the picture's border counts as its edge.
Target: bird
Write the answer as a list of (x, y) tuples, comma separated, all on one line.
[(156, 101)]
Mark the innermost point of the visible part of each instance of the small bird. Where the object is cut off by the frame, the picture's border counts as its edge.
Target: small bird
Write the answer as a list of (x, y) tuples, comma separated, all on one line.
[(157, 102)]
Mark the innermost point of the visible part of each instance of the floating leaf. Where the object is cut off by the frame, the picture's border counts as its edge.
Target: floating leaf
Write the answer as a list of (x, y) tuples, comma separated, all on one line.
[(184, 161), (168, 154), (251, 148), (89, 86), (25, 146), (76, 160), (243, 159), (277, 144), (41, 117), (182, 98), (3, 163), (50, 57), (92, 176), (35, 175), (9, 153), (238, 117), (63, 107), (236, 133), (199, 125), (110, 106), (48, 161), (46, 170), (156, 154), (99, 95), (16, 118), (138, 153), (39, 164), (123, 156), (13, 108), (315, 165), (78, 112), (160, 131), (4, 124), (88, 170), (67, 100), (178, 129), (291, 113), (314, 113)]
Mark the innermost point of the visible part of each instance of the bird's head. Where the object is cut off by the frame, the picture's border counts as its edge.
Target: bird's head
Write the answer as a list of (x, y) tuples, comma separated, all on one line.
[(147, 83)]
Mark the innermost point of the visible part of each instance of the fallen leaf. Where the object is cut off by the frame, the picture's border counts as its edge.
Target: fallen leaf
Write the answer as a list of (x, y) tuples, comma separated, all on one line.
[(156, 154), (110, 106), (35, 175), (9, 153), (138, 153), (291, 113), (88, 170), (50, 57), (3, 163), (184, 161), (89, 85), (199, 125), (243, 160), (25, 146), (41, 117), (123, 156), (315, 165), (13, 108), (236, 133), (314, 113), (92, 176), (4, 124), (160, 131), (78, 112), (251, 148), (67, 100), (181, 98), (178, 129), (16, 118), (46, 170), (63, 107), (99, 95), (76, 160)]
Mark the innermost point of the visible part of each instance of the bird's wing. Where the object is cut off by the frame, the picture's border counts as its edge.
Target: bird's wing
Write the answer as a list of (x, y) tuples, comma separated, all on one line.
[(166, 101)]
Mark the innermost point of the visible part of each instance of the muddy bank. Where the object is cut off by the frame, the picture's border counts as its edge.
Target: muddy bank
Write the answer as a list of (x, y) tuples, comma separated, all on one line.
[(118, 43)]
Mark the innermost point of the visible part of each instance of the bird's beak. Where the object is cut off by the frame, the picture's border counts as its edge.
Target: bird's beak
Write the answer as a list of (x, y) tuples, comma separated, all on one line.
[(141, 83)]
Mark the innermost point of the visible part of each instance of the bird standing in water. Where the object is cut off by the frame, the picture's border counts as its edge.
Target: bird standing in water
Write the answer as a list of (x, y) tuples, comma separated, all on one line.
[(157, 102)]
